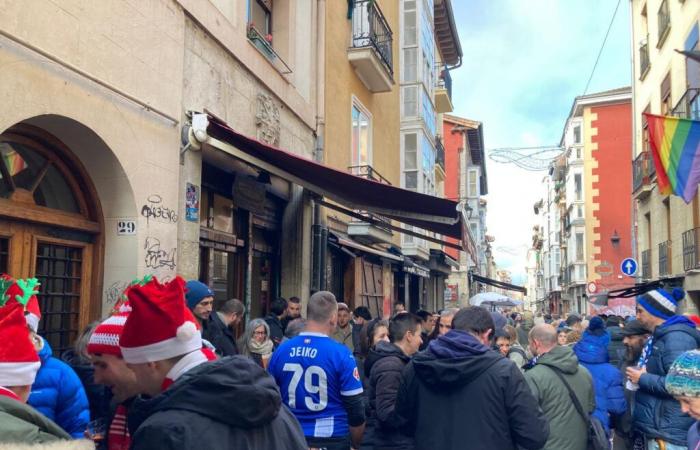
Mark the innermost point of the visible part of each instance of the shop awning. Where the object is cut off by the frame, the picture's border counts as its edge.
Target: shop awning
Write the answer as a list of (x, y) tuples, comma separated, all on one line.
[(427, 212), (341, 241), (495, 283)]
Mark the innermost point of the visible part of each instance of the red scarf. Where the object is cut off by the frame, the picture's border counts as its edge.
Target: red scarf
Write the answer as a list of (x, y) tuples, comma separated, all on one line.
[(118, 437), (4, 392), (189, 361)]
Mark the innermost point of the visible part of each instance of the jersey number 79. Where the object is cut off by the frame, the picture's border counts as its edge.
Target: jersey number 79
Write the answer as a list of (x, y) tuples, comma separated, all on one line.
[(311, 374)]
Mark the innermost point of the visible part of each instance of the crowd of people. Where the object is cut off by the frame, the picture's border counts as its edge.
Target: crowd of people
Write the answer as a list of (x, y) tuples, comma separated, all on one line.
[(166, 371)]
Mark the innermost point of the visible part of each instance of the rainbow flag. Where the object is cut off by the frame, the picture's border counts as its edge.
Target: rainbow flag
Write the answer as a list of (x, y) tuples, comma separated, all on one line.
[(675, 147)]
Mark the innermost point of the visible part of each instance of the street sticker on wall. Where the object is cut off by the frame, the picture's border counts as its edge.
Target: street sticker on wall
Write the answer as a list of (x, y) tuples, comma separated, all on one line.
[(126, 227)]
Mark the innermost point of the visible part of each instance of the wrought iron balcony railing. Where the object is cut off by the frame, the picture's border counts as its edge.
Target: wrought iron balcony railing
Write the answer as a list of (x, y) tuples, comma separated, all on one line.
[(691, 249), (646, 264), (644, 62), (439, 153), (370, 29), (664, 258), (643, 170), (688, 107), (445, 81)]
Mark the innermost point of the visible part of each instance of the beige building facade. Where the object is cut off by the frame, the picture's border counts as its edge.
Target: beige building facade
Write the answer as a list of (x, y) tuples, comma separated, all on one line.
[(665, 83), (97, 187)]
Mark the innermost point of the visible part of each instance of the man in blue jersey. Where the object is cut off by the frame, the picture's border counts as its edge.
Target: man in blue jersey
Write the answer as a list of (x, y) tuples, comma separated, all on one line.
[(319, 380)]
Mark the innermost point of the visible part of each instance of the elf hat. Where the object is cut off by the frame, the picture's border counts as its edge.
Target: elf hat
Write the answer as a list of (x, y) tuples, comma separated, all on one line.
[(105, 338), (24, 291), (160, 326), (661, 303), (19, 361)]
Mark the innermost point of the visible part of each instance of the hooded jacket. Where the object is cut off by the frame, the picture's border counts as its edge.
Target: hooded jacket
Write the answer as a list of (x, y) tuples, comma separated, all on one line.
[(59, 395), (383, 366), (656, 413), (22, 424), (616, 349), (568, 431), (523, 330), (592, 353), (223, 404), (220, 336), (460, 389)]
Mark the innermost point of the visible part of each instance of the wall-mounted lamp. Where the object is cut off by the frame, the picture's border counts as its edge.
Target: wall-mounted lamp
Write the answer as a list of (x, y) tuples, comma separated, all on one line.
[(615, 239)]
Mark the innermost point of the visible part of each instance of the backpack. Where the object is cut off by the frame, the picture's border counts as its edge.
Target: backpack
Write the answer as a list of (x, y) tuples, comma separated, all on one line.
[(597, 438), (517, 350)]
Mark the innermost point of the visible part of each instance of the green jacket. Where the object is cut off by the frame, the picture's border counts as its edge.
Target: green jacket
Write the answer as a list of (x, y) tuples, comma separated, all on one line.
[(567, 429), (20, 423)]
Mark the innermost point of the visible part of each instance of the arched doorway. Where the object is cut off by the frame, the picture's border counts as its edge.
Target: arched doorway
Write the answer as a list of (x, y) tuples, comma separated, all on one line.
[(51, 229)]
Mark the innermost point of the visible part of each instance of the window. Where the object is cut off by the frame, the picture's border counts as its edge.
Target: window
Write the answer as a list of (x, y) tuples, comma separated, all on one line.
[(410, 101), (577, 134), (473, 183), (579, 212), (409, 23), (664, 22), (645, 130), (428, 113), (410, 65), (577, 187), (666, 105), (361, 137), (260, 16), (578, 152), (410, 152), (579, 246)]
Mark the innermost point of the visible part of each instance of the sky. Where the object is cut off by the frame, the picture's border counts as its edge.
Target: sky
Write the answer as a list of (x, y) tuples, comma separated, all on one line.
[(524, 63)]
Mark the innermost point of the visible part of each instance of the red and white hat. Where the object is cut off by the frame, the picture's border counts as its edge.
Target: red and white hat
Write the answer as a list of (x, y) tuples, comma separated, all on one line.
[(105, 338), (19, 361), (160, 326), (24, 292)]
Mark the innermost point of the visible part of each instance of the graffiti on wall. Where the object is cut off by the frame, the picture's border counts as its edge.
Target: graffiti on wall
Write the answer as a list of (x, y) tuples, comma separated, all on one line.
[(157, 257), (155, 210)]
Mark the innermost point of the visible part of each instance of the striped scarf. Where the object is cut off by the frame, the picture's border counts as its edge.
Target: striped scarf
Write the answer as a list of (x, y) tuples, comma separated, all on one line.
[(118, 437)]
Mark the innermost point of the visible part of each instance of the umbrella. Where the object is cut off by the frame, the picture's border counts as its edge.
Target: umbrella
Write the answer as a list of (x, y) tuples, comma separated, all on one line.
[(493, 299)]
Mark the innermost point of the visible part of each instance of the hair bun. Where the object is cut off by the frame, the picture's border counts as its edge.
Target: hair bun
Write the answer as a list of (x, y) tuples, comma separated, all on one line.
[(678, 293)]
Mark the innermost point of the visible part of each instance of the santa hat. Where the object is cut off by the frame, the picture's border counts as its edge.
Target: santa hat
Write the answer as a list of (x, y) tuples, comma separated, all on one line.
[(19, 361), (105, 338), (23, 291), (160, 326)]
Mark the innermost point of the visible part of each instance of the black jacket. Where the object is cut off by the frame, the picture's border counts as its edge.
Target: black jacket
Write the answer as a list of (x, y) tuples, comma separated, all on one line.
[(224, 404), (99, 396), (460, 394), (276, 329), (616, 349), (220, 336), (384, 365)]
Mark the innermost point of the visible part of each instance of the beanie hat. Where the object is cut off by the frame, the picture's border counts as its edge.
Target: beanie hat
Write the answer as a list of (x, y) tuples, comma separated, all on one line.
[(683, 378), (596, 323), (105, 338), (498, 320), (196, 291), (160, 326), (661, 303), (19, 361)]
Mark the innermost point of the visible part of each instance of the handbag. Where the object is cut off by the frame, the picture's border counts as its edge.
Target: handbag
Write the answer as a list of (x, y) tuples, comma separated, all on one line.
[(597, 437)]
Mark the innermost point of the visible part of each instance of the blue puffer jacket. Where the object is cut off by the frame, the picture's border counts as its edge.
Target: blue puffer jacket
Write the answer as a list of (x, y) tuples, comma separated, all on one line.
[(58, 394), (656, 413), (592, 353)]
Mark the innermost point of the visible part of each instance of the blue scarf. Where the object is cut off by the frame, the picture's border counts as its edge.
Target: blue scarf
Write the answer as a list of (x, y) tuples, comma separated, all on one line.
[(646, 352)]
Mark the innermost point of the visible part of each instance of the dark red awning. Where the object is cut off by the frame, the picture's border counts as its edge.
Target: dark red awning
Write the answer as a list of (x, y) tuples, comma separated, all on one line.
[(430, 213)]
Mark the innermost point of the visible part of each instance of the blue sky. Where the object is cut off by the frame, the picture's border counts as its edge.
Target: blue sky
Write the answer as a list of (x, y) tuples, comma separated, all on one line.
[(524, 63)]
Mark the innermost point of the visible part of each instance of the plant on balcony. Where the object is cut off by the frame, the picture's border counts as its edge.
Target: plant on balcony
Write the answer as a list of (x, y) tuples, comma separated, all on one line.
[(263, 43)]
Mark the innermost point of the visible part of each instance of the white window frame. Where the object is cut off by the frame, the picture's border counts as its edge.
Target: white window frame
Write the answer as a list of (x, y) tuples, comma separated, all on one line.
[(356, 103), (472, 174)]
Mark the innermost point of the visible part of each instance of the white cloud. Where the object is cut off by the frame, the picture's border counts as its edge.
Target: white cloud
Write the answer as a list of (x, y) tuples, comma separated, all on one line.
[(524, 63)]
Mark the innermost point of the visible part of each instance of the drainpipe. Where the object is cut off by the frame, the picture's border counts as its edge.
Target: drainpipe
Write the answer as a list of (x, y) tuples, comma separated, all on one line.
[(633, 210), (319, 231)]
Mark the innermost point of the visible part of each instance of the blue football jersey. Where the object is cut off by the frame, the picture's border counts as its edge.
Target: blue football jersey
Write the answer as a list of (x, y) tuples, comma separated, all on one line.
[(313, 372)]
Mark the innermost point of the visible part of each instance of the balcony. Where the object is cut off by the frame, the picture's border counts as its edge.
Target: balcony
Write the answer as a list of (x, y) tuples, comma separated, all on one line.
[(644, 62), (646, 264), (664, 21), (643, 170), (664, 258), (376, 230), (691, 249), (371, 51), (264, 45), (688, 107), (440, 153), (443, 92)]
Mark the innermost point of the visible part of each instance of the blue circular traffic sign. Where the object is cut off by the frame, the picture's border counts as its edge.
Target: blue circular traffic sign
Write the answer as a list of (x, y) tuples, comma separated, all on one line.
[(629, 266)]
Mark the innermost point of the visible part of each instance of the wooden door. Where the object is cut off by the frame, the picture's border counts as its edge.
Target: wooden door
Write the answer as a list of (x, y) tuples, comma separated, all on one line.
[(61, 261)]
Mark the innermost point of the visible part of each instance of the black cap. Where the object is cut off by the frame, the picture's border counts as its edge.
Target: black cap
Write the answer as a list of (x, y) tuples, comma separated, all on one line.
[(634, 328)]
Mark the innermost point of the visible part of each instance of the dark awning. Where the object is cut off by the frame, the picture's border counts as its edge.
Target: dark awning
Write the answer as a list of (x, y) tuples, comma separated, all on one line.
[(496, 283), (692, 54), (430, 213)]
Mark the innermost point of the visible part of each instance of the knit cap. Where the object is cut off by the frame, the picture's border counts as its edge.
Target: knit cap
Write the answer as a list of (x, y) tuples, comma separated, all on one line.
[(661, 303), (105, 338), (683, 379), (196, 291)]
